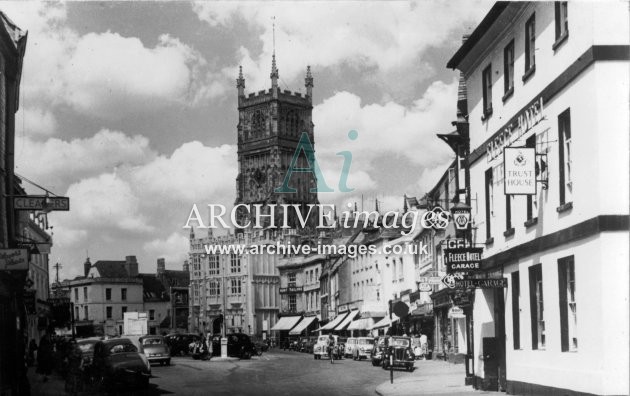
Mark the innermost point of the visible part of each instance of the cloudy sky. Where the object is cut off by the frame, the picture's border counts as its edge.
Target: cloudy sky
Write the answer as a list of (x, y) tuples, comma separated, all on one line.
[(130, 108)]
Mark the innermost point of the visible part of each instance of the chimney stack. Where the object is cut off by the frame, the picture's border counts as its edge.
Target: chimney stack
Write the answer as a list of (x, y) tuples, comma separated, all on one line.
[(131, 265), (161, 266), (86, 267)]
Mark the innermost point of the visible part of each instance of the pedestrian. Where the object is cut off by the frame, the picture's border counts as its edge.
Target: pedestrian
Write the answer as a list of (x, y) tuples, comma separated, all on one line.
[(424, 345), (32, 348), (45, 355)]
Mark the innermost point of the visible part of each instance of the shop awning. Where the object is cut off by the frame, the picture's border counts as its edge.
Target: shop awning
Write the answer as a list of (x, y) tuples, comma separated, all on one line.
[(302, 325), (385, 322), (333, 323), (286, 323), (361, 324), (347, 320)]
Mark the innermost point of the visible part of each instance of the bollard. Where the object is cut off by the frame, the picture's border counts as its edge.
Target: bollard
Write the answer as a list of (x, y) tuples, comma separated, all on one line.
[(391, 368)]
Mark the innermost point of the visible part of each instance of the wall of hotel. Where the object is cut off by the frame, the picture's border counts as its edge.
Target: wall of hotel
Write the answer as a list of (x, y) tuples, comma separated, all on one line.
[(597, 99), (596, 366)]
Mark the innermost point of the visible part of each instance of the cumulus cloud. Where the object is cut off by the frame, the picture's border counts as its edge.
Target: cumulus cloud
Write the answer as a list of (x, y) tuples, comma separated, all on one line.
[(105, 74), (389, 136), (106, 202), (36, 122), (173, 248), (359, 37), (193, 173), (68, 161)]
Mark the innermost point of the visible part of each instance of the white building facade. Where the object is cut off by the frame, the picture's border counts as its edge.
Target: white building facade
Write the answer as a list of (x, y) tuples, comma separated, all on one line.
[(555, 77)]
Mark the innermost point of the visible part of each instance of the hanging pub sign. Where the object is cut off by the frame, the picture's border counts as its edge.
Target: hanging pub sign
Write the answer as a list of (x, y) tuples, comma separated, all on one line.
[(488, 283), (519, 165), (463, 260), (13, 259)]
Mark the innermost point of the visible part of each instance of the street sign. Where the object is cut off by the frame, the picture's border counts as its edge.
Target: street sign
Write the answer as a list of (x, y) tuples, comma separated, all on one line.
[(519, 164), (40, 202), (434, 280), (13, 259), (425, 287), (463, 260), (450, 280), (488, 283)]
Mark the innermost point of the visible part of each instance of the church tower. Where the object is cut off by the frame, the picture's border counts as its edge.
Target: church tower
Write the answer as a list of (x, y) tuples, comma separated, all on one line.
[(270, 125)]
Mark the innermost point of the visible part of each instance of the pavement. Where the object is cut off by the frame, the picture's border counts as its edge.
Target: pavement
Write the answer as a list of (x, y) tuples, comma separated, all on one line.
[(55, 386), (431, 377)]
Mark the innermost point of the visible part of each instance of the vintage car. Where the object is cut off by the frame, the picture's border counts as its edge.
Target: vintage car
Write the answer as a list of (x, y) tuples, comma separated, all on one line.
[(155, 349), (238, 345), (321, 347), (118, 361), (179, 344), (399, 353), (349, 349), (87, 350), (377, 351), (362, 348)]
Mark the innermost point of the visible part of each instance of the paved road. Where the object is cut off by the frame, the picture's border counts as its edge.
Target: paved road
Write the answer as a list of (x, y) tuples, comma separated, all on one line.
[(275, 373)]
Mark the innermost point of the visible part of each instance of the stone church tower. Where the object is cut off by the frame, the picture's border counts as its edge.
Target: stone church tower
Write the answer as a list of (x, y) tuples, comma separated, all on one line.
[(270, 125)]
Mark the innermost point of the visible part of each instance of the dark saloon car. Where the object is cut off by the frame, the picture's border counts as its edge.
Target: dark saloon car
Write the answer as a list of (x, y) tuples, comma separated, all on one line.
[(118, 361), (87, 350), (155, 349), (179, 343), (239, 345), (399, 353)]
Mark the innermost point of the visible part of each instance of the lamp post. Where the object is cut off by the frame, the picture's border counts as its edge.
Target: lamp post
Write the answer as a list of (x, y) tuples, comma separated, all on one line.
[(224, 338)]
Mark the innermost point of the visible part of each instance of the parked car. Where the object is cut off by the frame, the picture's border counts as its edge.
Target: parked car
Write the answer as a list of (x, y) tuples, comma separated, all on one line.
[(156, 349), (321, 347), (377, 352), (118, 361), (363, 348), (179, 344), (239, 345), (87, 350), (399, 353), (349, 350)]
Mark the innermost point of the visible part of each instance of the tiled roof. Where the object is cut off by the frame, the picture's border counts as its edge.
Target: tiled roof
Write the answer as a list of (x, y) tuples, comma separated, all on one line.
[(152, 288), (111, 269), (175, 278)]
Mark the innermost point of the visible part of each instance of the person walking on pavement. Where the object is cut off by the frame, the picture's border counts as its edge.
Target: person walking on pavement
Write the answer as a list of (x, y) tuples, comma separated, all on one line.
[(45, 355)]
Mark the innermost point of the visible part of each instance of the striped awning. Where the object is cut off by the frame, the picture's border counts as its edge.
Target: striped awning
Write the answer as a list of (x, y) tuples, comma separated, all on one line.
[(333, 323), (362, 324), (297, 330), (385, 322), (286, 323), (347, 320)]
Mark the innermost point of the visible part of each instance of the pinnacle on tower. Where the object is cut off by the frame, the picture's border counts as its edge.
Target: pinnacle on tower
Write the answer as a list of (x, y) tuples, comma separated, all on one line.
[(308, 81), (240, 82), (274, 71)]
